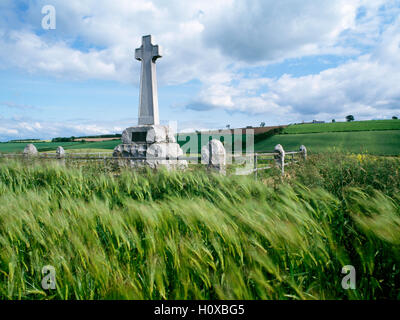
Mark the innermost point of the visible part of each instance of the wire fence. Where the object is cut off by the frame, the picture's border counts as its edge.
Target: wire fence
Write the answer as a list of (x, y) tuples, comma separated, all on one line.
[(280, 159), (253, 162)]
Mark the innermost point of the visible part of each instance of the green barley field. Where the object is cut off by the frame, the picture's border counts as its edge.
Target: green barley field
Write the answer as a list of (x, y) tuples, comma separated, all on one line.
[(114, 234), (370, 125)]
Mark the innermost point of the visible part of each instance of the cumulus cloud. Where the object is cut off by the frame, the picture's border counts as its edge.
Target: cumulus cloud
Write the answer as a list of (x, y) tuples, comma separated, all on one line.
[(368, 86), (263, 30), (17, 127), (199, 39), (214, 42), (33, 54), (96, 40)]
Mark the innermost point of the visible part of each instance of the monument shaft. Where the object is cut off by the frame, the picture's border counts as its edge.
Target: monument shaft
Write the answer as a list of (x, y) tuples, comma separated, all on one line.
[(148, 103)]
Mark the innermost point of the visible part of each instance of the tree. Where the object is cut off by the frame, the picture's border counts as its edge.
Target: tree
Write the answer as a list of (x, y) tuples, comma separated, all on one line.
[(350, 118), (333, 120), (262, 124), (228, 126), (395, 118)]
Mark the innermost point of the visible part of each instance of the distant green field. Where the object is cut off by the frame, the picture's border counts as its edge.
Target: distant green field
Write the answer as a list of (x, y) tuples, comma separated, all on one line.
[(370, 125), (70, 151), (192, 142), (372, 142), (51, 146), (376, 137)]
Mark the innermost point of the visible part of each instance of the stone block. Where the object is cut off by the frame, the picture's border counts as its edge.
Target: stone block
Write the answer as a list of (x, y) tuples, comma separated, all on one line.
[(168, 154), (130, 150), (136, 134), (156, 134)]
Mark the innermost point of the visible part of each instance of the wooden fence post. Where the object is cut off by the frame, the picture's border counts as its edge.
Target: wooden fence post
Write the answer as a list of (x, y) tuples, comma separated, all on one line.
[(255, 165), (303, 150), (209, 154), (280, 157)]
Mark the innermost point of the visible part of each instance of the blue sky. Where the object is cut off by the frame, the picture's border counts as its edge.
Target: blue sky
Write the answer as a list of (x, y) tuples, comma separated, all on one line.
[(224, 62)]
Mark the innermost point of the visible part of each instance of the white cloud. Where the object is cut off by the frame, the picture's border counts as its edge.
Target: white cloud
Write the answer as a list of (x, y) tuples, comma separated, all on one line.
[(34, 55), (8, 132), (265, 30), (214, 41), (15, 128), (368, 86), (96, 38)]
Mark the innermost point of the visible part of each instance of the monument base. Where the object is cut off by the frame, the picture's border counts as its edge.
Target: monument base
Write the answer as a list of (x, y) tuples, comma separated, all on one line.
[(153, 145)]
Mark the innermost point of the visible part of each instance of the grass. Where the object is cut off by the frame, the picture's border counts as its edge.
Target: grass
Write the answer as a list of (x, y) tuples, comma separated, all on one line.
[(371, 142), (83, 150), (375, 137), (192, 235), (371, 125), (10, 147)]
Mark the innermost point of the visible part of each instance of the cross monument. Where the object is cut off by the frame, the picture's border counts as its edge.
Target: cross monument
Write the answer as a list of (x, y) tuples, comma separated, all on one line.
[(149, 143), (148, 103)]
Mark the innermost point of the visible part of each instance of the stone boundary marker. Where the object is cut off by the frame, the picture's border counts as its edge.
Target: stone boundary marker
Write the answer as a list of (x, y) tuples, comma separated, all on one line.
[(60, 152), (60, 155), (214, 155), (30, 150)]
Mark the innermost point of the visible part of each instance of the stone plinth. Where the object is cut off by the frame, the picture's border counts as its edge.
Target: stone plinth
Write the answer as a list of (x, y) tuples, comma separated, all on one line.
[(149, 142)]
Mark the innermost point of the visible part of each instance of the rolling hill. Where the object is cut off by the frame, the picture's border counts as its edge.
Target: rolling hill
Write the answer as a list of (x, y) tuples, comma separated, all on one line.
[(370, 125), (377, 137), (371, 142)]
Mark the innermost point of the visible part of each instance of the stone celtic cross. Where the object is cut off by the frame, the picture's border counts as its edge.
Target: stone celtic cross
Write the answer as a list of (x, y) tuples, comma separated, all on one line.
[(148, 104)]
